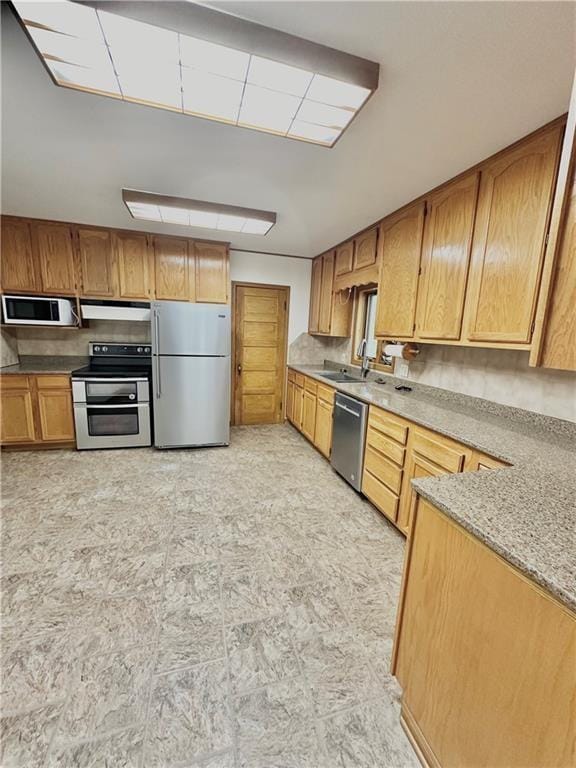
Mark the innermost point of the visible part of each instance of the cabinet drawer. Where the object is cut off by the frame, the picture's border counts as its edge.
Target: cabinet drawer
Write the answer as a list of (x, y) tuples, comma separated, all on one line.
[(386, 446), (326, 394), (53, 382), (299, 379), (380, 496), (390, 425), (291, 375), (388, 473), (14, 381), (434, 448), (310, 385)]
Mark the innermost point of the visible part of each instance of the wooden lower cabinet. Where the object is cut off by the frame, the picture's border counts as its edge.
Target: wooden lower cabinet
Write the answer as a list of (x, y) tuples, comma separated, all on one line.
[(36, 411), (398, 451), (309, 407), (485, 657)]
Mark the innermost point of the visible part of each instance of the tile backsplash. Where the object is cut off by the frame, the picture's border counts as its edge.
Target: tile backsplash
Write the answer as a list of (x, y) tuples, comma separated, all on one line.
[(66, 341), (501, 375)]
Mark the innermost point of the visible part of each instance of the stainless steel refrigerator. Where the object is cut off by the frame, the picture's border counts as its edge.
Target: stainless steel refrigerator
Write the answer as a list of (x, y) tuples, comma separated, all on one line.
[(190, 374)]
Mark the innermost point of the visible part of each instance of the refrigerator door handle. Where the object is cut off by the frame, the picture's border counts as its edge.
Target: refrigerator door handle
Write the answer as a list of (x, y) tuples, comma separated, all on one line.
[(157, 356)]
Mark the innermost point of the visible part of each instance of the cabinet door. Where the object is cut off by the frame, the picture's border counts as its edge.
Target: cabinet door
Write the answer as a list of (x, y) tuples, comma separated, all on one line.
[(212, 273), (416, 466), (56, 415), (55, 256), (315, 292), (344, 259), (509, 236), (298, 406), (309, 415), (17, 257), (133, 257), (171, 268), (97, 263), (400, 246), (290, 400), (17, 417), (326, 293), (323, 431), (365, 250), (445, 258)]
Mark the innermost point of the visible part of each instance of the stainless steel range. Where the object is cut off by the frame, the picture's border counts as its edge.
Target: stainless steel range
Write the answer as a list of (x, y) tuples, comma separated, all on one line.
[(112, 397)]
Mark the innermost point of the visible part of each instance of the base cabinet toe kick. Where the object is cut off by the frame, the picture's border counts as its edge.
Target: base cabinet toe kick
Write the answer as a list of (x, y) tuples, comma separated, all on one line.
[(485, 657)]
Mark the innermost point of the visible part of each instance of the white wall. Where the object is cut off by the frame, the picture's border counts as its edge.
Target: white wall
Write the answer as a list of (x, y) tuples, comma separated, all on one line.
[(278, 270)]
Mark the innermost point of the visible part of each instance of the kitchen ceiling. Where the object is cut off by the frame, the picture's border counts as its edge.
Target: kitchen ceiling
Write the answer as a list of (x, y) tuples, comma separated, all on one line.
[(458, 81)]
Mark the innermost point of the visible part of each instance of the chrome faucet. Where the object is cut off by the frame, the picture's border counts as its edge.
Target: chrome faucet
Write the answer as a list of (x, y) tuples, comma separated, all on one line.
[(362, 352)]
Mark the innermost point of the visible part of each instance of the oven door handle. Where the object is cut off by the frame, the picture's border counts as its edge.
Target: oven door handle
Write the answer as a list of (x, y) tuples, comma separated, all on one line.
[(99, 380), (122, 405)]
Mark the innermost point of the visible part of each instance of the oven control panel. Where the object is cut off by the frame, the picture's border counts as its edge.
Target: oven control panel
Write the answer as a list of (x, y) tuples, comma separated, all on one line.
[(113, 349)]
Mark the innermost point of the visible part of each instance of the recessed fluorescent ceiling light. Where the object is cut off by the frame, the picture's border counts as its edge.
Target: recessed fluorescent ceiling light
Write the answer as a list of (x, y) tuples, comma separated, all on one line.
[(197, 213), (148, 53)]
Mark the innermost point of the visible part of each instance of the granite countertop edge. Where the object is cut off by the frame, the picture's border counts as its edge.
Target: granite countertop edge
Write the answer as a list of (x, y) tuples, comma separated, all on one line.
[(38, 364), (475, 506)]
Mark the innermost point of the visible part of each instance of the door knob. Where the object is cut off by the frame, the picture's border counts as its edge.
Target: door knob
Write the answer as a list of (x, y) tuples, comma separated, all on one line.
[(239, 370)]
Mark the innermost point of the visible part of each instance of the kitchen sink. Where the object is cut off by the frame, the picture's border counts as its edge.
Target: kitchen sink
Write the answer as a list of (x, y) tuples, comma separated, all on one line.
[(339, 377)]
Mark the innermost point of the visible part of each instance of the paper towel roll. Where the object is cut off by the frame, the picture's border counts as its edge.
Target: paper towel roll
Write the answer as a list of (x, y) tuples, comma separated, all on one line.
[(407, 351)]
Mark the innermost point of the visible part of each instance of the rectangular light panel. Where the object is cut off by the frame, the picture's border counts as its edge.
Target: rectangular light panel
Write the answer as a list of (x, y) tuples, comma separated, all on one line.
[(197, 213), (90, 49)]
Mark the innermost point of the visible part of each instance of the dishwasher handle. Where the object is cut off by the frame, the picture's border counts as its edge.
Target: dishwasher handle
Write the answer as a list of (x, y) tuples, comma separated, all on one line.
[(348, 410)]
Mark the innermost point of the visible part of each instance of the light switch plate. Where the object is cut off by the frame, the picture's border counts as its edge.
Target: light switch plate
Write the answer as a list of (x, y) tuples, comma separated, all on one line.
[(401, 369)]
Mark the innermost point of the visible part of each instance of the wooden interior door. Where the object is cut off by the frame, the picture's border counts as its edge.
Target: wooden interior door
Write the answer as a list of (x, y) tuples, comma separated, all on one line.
[(97, 263), (400, 248), (171, 268), (260, 335), (315, 288), (17, 257), (509, 238), (445, 258), (55, 255)]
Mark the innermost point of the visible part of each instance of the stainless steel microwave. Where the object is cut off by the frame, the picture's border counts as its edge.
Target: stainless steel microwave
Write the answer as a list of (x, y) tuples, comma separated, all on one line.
[(37, 310)]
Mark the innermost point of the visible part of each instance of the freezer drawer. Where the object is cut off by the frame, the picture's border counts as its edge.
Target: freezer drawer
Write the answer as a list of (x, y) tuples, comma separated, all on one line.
[(191, 401), (348, 437)]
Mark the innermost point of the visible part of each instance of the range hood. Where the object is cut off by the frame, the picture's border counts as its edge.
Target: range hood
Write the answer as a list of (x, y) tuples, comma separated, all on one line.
[(94, 309)]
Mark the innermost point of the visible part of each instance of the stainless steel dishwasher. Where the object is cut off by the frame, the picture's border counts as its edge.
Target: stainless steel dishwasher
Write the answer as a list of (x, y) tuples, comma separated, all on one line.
[(349, 433)]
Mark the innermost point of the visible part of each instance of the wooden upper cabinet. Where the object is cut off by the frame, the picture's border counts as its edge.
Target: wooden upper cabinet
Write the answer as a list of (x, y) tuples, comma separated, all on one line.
[(17, 257), (400, 245), (445, 258), (315, 290), (344, 262), (212, 272), (171, 268), (97, 263), (509, 237), (133, 257), (365, 249), (55, 257), (326, 298)]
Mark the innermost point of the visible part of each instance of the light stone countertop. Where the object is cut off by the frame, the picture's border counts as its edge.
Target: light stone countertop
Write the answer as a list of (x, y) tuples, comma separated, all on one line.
[(526, 512), (45, 364)]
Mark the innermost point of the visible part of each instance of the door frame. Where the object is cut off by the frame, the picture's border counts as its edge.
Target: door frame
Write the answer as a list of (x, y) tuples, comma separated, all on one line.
[(247, 284)]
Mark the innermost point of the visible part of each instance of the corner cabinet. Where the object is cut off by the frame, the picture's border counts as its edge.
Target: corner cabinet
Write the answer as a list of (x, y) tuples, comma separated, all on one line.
[(400, 247), (512, 217)]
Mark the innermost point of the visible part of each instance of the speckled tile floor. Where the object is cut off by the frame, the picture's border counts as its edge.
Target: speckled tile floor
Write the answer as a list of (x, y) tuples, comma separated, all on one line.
[(225, 608)]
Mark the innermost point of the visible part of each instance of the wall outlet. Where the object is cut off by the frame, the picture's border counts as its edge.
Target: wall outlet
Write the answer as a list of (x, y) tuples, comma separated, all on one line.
[(401, 368)]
